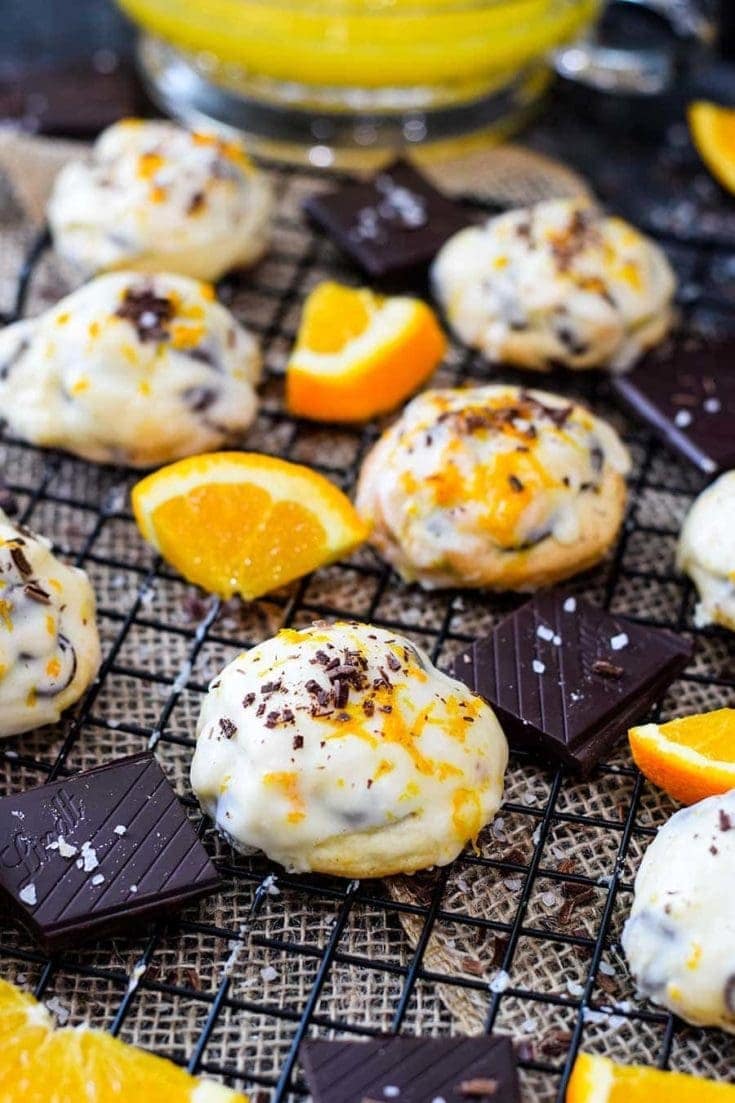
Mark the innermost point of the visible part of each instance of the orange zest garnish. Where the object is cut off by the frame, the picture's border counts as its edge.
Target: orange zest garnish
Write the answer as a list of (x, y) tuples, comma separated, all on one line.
[(600, 1080), (713, 132), (690, 758), (359, 354), (238, 522), (88, 1066)]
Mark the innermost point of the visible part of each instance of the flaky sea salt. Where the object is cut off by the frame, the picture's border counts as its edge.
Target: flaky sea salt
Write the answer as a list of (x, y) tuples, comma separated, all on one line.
[(619, 642), (500, 981), (544, 633), (538, 666), (120, 829), (682, 419), (268, 973), (570, 605), (28, 895)]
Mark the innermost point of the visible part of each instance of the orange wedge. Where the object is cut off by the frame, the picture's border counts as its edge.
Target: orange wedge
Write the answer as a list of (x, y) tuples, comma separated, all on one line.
[(690, 758), (713, 132), (359, 354), (600, 1080), (39, 1063), (238, 522)]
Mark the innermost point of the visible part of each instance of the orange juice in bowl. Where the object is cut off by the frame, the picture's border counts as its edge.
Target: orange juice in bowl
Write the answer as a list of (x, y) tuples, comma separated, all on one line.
[(352, 74)]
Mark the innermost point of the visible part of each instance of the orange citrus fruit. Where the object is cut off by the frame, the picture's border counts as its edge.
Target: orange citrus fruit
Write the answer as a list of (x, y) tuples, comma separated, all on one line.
[(40, 1063), (690, 758), (238, 522), (713, 131), (359, 354), (600, 1080)]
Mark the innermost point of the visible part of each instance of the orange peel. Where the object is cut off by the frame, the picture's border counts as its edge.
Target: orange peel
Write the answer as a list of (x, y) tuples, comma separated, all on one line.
[(690, 758)]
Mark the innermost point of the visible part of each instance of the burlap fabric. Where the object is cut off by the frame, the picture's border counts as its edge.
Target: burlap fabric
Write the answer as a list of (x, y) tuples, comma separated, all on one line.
[(522, 933)]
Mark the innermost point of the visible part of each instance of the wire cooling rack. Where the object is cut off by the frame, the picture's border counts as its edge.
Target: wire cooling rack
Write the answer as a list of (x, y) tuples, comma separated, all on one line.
[(521, 936)]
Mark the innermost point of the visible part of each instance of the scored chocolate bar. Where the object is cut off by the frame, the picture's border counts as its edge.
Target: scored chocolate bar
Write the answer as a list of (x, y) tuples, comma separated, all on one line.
[(688, 398), (89, 853), (567, 679), (394, 223), (480, 1069)]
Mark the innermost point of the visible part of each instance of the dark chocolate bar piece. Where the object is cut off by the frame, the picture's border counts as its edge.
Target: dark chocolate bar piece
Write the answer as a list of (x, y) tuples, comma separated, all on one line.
[(688, 399), (394, 223), (567, 679), (480, 1069), (89, 853)]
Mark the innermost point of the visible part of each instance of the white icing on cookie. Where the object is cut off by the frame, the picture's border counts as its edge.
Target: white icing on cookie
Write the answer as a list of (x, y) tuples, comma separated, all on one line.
[(680, 937), (49, 647), (157, 198), (130, 369), (466, 486), (556, 283), (706, 552), (343, 749)]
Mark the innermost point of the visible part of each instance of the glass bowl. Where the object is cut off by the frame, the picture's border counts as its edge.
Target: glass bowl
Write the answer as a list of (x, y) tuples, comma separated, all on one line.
[(350, 79)]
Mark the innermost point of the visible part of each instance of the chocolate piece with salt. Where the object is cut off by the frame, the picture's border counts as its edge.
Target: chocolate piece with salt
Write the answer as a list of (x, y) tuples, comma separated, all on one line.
[(480, 1069), (688, 399), (567, 679), (88, 854), (393, 224)]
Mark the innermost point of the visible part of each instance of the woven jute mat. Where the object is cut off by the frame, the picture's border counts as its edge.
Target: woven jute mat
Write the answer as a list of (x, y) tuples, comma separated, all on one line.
[(506, 937)]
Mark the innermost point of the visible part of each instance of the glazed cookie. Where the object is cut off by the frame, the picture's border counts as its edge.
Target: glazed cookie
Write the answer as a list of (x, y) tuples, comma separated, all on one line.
[(157, 198), (130, 369), (342, 749), (494, 487), (680, 937), (706, 552), (557, 283), (49, 647)]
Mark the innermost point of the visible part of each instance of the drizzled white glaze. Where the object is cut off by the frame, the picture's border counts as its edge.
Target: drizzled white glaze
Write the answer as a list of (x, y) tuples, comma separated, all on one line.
[(343, 749), (556, 283), (131, 369), (158, 198), (706, 552), (476, 475), (680, 937), (49, 647)]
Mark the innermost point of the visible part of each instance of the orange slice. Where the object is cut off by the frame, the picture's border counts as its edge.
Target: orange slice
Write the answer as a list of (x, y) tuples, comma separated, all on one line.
[(713, 133), (39, 1062), (600, 1080), (238, 522), (690, 758), (359, 354)]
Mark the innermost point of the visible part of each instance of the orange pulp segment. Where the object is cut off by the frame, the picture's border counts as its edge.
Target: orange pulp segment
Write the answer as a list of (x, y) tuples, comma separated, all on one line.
[(690, 758), (239, 522), (86, 1066), (713, 131), (600, 1080), (359, 354)]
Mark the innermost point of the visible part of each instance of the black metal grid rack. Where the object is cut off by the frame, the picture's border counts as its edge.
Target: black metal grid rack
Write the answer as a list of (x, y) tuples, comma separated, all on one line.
[(355, 959)]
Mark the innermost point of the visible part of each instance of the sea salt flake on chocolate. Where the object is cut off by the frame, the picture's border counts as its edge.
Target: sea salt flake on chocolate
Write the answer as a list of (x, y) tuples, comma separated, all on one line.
[(585, 702), (152, 867), (619, 642)]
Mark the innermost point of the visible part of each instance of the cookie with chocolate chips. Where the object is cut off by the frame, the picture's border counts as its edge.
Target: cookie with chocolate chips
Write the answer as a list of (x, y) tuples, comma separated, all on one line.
[(342, 749), (49, 647), (131, 369)]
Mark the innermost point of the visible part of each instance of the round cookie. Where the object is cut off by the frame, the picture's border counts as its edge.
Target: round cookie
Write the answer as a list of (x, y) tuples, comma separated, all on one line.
[(49, 647), (157, 198), (706, 552), (680, 937), (494, 487), (130, 369), (557, 283), (342, 749)]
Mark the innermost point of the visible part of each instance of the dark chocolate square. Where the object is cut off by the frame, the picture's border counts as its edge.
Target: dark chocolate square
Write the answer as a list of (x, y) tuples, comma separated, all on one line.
[(394, 223), (688, 399), (479, 1069), (567, 679), (89, 853)]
